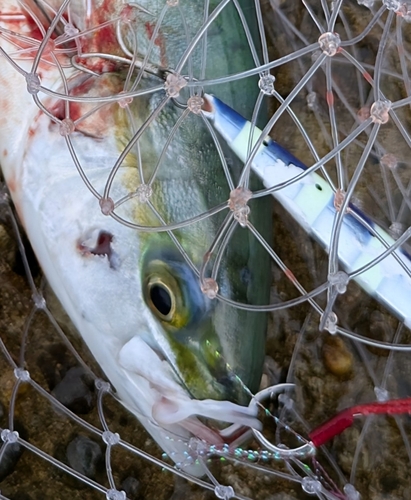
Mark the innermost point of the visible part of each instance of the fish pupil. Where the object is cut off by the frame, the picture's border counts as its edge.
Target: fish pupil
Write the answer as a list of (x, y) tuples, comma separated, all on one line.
[(161, 299)]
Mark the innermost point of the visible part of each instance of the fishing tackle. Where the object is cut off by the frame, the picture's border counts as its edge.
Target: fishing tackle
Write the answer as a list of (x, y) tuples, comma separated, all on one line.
[(369, 255)]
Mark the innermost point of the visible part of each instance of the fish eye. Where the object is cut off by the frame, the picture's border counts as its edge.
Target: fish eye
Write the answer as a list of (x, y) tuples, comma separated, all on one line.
[(171, 291), (161, 299)]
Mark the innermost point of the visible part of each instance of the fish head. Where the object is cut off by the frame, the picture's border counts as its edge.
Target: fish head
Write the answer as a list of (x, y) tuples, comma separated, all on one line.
[(132, 287)]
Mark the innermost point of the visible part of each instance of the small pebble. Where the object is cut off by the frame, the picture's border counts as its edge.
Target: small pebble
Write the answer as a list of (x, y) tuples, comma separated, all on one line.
[(337, 358), (84, 456), (74, 391), (9, 460), (131, 486)]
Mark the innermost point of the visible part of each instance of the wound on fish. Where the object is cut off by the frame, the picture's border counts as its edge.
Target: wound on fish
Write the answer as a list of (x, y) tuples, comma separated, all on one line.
[(102, 248)]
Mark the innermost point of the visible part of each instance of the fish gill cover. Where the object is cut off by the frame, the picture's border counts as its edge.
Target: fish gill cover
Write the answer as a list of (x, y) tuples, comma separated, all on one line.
[(186, 171)]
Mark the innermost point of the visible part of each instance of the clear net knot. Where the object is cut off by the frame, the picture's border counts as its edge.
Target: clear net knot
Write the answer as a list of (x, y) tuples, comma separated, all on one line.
[(396, 230), (128, 13), (66, 127), (102, 385), (115, 495), (224, 492), (392, 4), (237, 203), (331, 323), (21, 374), (339, 280), (351, 493), (381, 394), (311, 486), (389, 161), (144, 192), (209, 287), (174, 83), (106, 205), (379, 111), (111, 438), (8, 436), (266, 84), (39, 301), (123, 102), (339, 200), (366, 3), (329, 43), (312, 101), (195, 104), (70, 30), (33, 83)]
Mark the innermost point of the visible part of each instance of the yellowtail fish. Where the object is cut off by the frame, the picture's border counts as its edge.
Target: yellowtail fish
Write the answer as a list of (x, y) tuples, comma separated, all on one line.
[(99, 154)]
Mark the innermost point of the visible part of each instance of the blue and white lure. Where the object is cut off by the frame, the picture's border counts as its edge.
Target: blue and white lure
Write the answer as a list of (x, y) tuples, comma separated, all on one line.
[(369, 255)]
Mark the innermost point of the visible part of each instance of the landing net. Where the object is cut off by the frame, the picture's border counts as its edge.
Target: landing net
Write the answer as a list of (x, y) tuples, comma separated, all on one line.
[(333, 88)]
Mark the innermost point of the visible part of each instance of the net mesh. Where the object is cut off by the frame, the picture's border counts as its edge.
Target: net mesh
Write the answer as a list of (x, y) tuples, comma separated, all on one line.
[(333, 78)]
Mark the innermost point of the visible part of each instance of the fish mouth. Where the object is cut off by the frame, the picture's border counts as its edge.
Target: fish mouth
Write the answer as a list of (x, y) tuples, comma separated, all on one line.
[(206, 343), (170, 398)]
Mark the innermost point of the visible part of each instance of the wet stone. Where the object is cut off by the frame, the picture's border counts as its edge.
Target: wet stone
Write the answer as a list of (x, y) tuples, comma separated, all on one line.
[(337, 358), (131, 486), (74, 391), (9, 460), (84, 456)]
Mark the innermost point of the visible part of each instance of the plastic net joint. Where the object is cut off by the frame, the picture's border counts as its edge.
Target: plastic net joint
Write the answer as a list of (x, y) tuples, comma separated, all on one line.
[(379, 111), (174, 83), (115, 495), (339, 281), (351, 493), (144, 192), (111, 438), (331, 323), (224, 492), (266, 84), (195, 104), (381, 394), (102, 385), (124, 101), (8, 436), (66, 127), (393, 5), (311, 486), (106, 205), (209, 287), (239, 198), (33, 83), (329, 43), (22, 374)]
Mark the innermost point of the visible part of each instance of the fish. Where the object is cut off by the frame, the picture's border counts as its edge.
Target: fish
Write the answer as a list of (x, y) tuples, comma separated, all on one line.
[(99, 152)]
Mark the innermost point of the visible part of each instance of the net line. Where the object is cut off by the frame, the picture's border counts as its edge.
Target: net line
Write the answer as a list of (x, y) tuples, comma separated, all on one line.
[(371, 149)]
